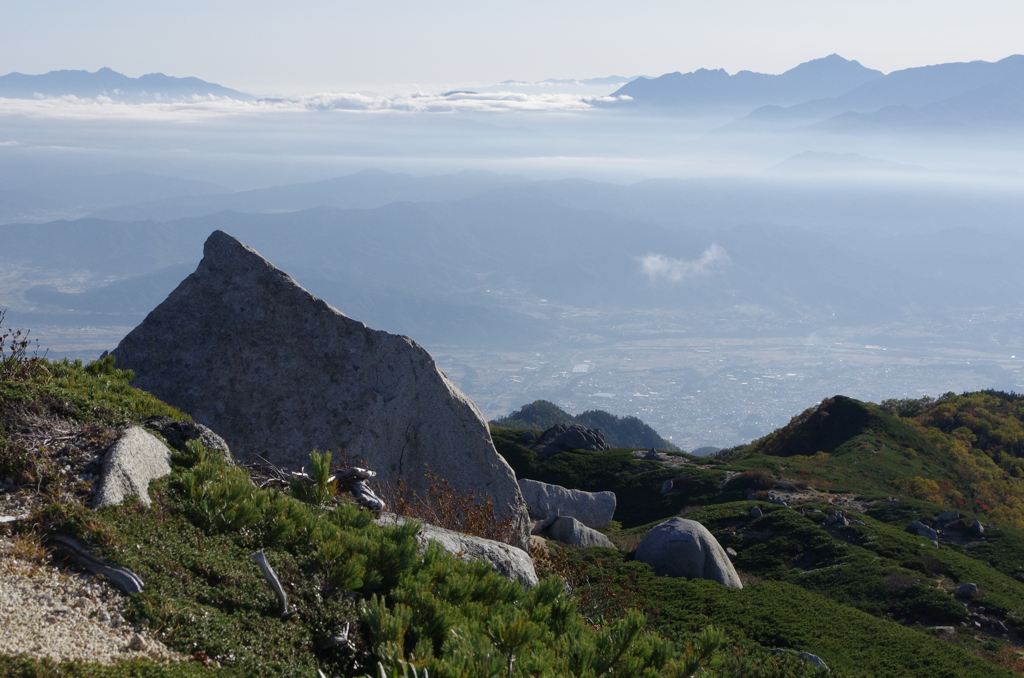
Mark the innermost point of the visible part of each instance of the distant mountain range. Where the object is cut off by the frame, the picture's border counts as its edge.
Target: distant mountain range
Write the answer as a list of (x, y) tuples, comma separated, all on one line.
[(840, 96), (716, 89), (108, 83), (950, 96)]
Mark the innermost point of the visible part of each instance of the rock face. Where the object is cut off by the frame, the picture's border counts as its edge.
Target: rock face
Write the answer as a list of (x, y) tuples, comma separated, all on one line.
[(684, 548), (508, 561), (135, 459), (571, 531), (561, 438), (593, 509), (277, 372)]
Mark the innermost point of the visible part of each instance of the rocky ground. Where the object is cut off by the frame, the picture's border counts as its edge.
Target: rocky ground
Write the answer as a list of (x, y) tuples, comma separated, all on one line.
[(47, 611)]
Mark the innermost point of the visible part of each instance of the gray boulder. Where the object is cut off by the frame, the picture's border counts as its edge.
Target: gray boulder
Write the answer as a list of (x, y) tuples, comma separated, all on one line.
[(755, 512), (948, 516), (508, 561), (540, 526), (245, 350), (568, 530), (922, 530), (593, 509), (130, 464), (814, 659), (967, 590), (837, 518), (976, 529), (684, 548)]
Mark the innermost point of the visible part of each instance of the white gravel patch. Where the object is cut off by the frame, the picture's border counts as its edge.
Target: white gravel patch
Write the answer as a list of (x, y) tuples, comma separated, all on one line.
[(47, 613)]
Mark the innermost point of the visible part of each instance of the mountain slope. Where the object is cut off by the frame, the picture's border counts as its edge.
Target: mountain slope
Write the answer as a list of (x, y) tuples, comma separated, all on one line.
[(962, 451)]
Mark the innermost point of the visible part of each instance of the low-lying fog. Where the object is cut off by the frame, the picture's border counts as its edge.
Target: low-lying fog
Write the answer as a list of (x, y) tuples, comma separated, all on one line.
[(711, 277)]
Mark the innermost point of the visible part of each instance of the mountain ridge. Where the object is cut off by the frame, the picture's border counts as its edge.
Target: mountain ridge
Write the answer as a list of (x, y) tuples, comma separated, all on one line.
[(704, 88), (106, 82), (625, 431)]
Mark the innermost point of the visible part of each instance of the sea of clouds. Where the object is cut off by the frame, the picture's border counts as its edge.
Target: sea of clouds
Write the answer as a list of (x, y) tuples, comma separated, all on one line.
[(209, 106)]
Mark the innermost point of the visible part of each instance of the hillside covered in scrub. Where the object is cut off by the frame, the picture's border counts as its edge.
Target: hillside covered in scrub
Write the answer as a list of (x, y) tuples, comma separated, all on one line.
[(818, 515), (815, 514), (364, 599)]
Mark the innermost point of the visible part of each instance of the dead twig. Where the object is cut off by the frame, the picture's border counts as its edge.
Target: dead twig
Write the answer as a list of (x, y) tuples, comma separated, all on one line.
[(354, 480), (275, 583), (121, 577)]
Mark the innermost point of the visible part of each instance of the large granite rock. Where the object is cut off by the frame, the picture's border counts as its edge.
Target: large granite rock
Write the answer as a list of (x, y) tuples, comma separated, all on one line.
[(684, 548), (277, 372), (137, 458), (593, 509)]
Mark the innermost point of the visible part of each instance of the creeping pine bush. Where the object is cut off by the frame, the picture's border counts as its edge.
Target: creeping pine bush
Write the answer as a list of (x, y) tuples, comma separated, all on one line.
[(429, 614), (323, 488)]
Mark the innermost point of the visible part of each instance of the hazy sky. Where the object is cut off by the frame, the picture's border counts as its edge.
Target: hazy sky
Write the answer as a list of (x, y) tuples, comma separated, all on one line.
[(329, 45)]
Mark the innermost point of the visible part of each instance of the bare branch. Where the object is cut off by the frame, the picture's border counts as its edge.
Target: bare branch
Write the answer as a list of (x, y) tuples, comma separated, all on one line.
[(275, 583)]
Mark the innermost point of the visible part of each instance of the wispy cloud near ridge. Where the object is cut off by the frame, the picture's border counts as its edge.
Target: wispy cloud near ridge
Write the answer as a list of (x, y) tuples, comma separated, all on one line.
[(459, 101), (657, 266), (207, 106)]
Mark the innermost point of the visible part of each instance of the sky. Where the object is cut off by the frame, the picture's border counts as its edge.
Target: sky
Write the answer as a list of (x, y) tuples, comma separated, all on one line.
[(311, 46)]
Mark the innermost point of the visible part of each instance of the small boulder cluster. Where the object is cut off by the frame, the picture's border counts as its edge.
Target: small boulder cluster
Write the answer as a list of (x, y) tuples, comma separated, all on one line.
[(946, 522), (569, 516)]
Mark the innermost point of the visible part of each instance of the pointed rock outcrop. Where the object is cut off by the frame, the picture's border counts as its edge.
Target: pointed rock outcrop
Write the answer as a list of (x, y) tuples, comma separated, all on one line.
[(278, 372)]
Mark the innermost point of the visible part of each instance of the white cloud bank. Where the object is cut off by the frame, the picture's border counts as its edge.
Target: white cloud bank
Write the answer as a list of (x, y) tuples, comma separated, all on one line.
[(209, 106), (657, 266), (421, 102)]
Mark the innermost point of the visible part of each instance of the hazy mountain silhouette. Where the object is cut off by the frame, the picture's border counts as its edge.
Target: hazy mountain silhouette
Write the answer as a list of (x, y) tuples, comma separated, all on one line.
[(369, 188), (108, 83), (73, 196), (716, 89), (816, 163), (472, 263), (944, 96)]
